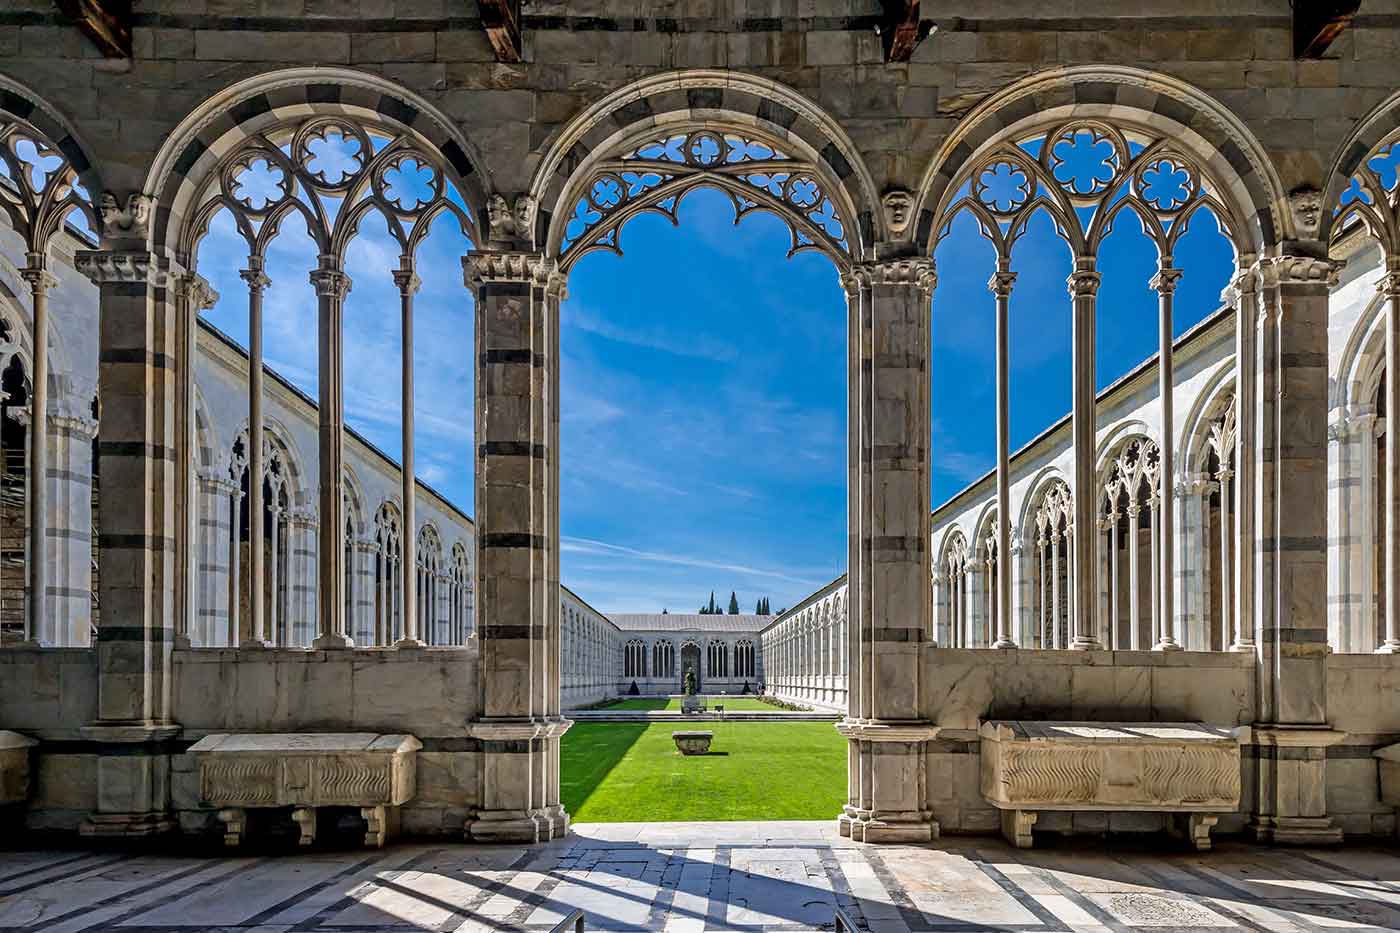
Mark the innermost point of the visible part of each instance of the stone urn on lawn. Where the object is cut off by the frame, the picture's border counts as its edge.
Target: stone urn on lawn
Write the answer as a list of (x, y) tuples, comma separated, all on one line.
[(693, 742)]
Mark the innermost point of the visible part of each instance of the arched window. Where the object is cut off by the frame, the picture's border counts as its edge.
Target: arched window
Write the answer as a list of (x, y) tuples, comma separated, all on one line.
[(1054, 533), (1129, 523), (459, 604), (663, 661), (957, 600), (719, 659), (634, 659), (14, 488), (259, 578), (744, 659), (388, 576), (1220, 544), (429, 582)]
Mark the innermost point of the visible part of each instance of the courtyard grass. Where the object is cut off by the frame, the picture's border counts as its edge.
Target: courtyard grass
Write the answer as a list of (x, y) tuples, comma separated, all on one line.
[(673, 704), (631, 772)]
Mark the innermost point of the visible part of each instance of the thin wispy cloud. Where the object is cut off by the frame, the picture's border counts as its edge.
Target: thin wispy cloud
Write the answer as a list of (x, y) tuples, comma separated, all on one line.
[(587, 546)]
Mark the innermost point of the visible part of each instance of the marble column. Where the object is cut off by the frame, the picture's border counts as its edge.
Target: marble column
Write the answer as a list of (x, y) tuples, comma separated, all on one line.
[(136, 453), (1244, 291), (257, 284), (1164, 283), (517, 308), (1291, 727), (1114, 587), (38, 629), (1083, 289), (408, 283), (193, 296), (332, 285), (1193, 542), (1390, 288), (1000, 284), (889, 559)]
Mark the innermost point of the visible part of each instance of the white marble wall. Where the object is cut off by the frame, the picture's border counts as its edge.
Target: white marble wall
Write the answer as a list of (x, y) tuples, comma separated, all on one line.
[(804, 650), (590, 653)]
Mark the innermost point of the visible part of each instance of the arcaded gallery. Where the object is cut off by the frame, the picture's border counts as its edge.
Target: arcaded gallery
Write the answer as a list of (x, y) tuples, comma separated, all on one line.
[(334, 594)]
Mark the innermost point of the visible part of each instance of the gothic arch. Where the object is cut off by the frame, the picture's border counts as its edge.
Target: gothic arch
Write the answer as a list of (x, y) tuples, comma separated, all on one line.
[(355, 513), (1366, 135), (1206, 406), (20, 103), (717, 101), (1036, 490), (1362, 360), (1194, 123), (279, 437), (1112, 441), (264, 103)]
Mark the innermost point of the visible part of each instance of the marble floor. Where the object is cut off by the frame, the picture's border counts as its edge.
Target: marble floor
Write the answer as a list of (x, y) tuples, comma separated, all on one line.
[(708, 877)]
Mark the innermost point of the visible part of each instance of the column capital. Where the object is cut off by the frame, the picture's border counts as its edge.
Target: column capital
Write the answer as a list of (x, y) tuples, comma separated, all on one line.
[(1000, 283), (481, 266), (1299, 270), (407, 281), (108, 266), (1084, 280), (917, 271), (196, 290), (1164, 282), (255, 277), (329, 280), (36, 273), (1389, 284)]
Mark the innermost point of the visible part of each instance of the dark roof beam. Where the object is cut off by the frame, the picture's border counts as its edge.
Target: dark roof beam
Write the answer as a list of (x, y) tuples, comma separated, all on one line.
[(1318, 23), (901, 30), (501, 20), (106, 22)]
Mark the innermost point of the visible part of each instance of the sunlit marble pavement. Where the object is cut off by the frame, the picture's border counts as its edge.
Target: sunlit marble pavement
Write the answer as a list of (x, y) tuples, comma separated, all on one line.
[(709, 877)]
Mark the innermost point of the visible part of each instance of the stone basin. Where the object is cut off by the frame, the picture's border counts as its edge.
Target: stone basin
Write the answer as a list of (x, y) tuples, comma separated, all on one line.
[(694, 742)]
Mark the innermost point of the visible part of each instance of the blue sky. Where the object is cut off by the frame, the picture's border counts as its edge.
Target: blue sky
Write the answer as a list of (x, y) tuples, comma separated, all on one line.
[(704, 399)]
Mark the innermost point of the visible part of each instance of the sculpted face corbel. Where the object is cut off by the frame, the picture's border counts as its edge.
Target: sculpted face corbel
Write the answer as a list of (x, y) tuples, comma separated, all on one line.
[(899, 211)]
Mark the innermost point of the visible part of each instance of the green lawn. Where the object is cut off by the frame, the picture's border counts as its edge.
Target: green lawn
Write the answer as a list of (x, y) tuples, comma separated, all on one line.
[(631, 772), (746, 704)]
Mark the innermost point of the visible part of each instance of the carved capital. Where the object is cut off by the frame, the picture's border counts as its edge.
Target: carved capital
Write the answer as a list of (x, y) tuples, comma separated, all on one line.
[(36, 273), (1389, 284), (126, 221), (1083, 282), (197, 291), (481, 266), (1306, 270), (1164, 282), (330, 283), (1000, 283), (407, 281), (911, 270), (107, 266), (255, 277)]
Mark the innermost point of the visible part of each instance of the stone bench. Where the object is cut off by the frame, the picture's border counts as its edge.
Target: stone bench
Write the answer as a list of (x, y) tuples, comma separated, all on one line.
[(14, 766), (1188, 769), (306, 770)]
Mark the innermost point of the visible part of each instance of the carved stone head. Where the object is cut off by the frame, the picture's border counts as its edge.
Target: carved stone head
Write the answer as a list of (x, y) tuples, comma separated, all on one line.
[(524, 216), (124, 222), (499, 217), (898, 206), (1306, 203)]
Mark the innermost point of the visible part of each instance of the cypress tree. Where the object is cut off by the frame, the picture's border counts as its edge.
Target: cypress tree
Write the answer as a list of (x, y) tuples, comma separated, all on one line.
[(733, 603)]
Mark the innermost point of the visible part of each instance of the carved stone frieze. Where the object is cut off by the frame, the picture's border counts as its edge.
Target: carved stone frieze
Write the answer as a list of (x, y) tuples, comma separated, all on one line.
[(106, 266), (481, 266)]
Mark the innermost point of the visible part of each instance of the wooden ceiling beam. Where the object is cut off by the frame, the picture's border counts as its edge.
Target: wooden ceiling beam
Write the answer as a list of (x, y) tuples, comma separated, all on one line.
[(901, 30), (501, 20), (106, 22), (1318, 23)]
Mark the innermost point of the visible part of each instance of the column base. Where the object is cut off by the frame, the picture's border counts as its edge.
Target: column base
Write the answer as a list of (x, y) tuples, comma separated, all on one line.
[(1084, 643), (1389, 647), (1295, 831), (332, 641), (253, 644), (1243, 646), (510, 826), (410, 643), (1167, 644), (1004, 643), (125, 825), (555, 820), (863, 826)]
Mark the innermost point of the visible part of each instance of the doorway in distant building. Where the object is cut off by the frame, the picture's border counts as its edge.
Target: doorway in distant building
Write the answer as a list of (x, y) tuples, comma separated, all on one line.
[(690, 664)]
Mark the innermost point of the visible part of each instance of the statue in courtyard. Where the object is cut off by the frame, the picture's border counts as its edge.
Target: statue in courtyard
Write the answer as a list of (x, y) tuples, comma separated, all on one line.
[(690, 683)]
